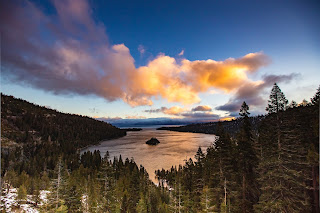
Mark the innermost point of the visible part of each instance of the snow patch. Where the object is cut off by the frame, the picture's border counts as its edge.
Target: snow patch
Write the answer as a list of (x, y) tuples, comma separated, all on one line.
[(9, 202)]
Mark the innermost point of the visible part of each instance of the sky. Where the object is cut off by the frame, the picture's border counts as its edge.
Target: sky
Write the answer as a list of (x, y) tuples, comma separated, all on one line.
[(159, 62)]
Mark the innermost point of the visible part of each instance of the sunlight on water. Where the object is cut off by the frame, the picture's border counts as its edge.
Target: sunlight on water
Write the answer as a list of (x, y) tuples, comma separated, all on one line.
[(174, 148)]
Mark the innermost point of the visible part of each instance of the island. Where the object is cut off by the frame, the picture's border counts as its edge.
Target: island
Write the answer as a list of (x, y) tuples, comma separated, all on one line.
[(153, 141)]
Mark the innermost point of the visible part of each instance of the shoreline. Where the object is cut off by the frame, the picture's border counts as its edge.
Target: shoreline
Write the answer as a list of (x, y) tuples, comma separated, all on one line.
[(99, 142)]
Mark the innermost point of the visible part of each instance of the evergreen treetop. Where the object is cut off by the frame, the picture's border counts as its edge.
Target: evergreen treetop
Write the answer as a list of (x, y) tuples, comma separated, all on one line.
[(277, 101), (315, 99), (244, 110)]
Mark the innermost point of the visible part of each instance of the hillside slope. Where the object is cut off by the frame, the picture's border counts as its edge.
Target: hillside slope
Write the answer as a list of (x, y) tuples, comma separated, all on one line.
[(23, 121)]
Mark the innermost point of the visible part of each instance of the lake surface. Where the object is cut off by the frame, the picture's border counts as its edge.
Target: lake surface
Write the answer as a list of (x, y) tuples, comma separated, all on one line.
[(174, 148)]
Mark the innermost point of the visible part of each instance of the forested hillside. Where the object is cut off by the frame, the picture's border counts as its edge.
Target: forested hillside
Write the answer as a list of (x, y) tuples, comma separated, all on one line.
[(23, 122), (273, 170)]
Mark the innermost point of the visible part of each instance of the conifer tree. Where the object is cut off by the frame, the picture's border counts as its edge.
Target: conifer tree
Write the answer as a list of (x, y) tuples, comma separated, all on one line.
[(36, 194), (124, 203), (56, 197), (293, 104), (247, 161), (199, 181), (206, 200), (223, 177), (244, 110), (277, 101), (283, 165), (142, 206), (22, 193), (73, 195), (316, 97)]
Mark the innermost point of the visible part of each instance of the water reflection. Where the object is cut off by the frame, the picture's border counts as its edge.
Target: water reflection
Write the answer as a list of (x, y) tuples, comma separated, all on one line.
[(174, 148)]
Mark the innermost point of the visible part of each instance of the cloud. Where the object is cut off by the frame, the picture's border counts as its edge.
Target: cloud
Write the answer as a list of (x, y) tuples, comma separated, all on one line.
[(199, 112), (253, 93), (175, 110), (202, 108), (68, 52), (141, 49), (181, 53)]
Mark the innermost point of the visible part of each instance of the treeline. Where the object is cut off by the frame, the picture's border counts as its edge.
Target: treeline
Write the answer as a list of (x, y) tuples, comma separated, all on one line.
[(212, 127), (273, 170), (97, 185)]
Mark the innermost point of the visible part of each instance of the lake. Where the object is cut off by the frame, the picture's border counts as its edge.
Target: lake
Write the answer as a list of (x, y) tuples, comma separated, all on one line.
[(174, 148)]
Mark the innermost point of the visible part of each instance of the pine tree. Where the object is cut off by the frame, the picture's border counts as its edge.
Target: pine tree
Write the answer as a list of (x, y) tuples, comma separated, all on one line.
[(313, 161), (56, 198), (244, 110), (124, 203), (247, 161), (222, 181), (198, 178), (277, 100), (22, 194), (316, 97), (73, 195), (36, 194), (206, 200), (142, 206), (283, 165), (293, 104)]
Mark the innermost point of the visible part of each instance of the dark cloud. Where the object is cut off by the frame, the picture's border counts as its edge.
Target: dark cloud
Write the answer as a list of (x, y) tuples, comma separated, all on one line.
[(162, 109), (230, 107), (271, 79), (202, 109), (254, 94)]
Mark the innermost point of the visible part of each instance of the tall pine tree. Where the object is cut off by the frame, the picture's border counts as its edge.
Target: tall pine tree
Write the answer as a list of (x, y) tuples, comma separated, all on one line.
[(277, 101), (247, 161), (283, 161)]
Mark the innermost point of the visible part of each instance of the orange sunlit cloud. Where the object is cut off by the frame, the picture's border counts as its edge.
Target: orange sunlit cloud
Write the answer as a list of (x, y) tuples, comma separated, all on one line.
[(164, 77)]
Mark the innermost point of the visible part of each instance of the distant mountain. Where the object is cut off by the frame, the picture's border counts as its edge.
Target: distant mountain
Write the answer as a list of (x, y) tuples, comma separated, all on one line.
[(232, 127), (146, 122)]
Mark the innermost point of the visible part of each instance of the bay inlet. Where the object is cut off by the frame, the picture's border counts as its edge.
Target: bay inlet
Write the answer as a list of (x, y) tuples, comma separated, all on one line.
[(174, 148)]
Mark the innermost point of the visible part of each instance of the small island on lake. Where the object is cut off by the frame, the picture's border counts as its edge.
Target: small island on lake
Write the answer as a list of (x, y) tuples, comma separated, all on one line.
[(153, 141)]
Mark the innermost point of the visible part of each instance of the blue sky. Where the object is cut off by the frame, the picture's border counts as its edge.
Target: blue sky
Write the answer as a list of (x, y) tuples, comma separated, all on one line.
[(284, 34)]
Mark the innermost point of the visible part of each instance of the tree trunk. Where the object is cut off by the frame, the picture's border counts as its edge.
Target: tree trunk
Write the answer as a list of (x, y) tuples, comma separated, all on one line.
[(58, 184), (244, 193), (225, 194), (315, 189)]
